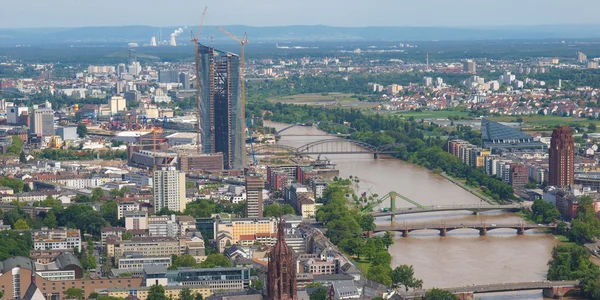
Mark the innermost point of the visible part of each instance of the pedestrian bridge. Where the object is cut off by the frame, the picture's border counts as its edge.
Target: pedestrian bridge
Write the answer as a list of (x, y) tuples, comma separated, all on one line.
[(551, 289), (445, 228)]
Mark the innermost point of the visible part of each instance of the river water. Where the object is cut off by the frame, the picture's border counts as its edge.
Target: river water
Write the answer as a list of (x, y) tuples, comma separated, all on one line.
[(462, 257)]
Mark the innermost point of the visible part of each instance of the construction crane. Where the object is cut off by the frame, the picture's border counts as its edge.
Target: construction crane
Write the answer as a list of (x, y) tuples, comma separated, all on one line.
[(194, 40), (243, 41)]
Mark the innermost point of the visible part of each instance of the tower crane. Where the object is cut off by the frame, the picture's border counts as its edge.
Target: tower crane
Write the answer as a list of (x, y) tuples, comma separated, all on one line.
[(194, 40), (243, 41)]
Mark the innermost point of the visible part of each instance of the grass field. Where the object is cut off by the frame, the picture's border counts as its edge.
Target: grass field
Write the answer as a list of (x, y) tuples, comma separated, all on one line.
[(550, 121), (316, 99), (431, 114)]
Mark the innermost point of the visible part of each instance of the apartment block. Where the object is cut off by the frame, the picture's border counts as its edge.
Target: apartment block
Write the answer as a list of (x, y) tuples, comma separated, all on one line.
[(59, 239)]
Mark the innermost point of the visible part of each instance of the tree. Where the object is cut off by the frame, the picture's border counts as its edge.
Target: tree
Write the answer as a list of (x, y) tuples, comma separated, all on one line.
[(157, 292), (21, 224), (22, 158), (92, 261), (186, 294), (382, 258), (74, 293), (110, 212), (185, 260), (199, 296), (216, 260), (404, 275), (367, 222), (126, 235), (82, 130), (381, 274), (256, 284), (97, 193), (437, 294), (388, 239), (319, 294), (592, 127), (50, 220)]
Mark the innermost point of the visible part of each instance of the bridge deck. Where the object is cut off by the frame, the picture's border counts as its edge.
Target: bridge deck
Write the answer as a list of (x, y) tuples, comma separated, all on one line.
[(500, 287), (450, 227)]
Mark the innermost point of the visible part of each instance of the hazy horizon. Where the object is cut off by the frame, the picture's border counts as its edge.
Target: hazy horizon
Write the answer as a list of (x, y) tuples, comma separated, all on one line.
[(266, 13)]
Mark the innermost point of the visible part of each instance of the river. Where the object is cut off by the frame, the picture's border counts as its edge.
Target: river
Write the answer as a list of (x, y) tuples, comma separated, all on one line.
[(462, 257)]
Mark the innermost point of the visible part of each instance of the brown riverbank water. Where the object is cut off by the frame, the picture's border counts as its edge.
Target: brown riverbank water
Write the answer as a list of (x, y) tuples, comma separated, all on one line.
[(463, 257)]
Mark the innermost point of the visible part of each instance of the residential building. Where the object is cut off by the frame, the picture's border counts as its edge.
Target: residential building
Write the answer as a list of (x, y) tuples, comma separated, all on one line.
[(519, 176), (147, 246), (254, 193), (42, 122), (114, 231), (222, 123), (232, 230), (163, 226), (125, 206), (318, 187), (470, 67), (136, 220), (169, 189), (562, 157), (59, 239), (168, 76)]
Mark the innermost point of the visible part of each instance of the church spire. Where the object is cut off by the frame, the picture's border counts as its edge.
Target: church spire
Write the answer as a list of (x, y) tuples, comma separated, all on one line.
[(281, 276)]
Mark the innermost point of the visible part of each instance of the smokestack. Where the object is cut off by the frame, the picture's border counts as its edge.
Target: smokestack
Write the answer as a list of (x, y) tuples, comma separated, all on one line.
[(153, 41), (173, 42)]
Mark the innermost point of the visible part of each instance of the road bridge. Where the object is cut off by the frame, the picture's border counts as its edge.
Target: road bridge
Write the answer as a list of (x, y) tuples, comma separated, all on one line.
[(551, 289), (445, 228), (473, 208), (327, 146)]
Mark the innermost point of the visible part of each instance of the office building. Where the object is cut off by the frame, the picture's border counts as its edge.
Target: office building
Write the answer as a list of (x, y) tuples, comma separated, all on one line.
[(184, 79), (42, 122), (562, 157), (235, 230), (496, 136), (146, 246), (221, 106), (254, 199), (117, 104), (169, 189), (14, 112), (136, 220), (132, 261), (470, 67), (60, 238), (168, 76)]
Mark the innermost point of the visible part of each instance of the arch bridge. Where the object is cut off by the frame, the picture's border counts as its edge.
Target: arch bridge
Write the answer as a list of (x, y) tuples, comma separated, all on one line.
[(312, 124), (327, 146)]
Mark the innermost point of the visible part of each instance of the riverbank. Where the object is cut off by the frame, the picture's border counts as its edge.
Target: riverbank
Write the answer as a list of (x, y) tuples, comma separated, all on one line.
[(468, 189)]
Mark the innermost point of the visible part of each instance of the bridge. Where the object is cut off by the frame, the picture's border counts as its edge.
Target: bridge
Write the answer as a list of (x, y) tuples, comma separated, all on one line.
[(327, 146), (473, 208), (551, 289), (445, 228), (311, 124)]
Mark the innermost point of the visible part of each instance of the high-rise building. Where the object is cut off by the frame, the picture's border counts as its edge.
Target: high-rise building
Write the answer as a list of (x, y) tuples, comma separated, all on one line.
[(562, 161), (169, 189), (581, 57), (42, 122), (184, 79), (281, 274), (166, 76), (254, 200), (221, 106), (470, 67)]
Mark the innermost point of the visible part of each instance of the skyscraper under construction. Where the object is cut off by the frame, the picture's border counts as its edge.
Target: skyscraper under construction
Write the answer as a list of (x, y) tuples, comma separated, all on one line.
[(221, 106)]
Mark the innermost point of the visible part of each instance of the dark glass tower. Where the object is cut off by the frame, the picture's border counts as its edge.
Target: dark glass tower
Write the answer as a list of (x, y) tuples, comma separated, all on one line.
[(562, 157)]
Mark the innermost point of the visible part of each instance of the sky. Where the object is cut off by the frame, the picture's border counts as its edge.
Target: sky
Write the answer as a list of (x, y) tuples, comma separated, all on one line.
[(348, 13)]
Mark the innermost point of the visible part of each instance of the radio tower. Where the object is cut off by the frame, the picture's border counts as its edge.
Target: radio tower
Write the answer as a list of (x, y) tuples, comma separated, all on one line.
[(427, 59)]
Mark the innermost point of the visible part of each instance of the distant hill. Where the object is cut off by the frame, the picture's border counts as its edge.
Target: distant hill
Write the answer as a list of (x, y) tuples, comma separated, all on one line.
[(282, 34)]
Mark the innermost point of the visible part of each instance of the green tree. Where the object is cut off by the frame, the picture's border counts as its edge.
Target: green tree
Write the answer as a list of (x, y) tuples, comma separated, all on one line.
[(92, 261), (74, 293), (110, 212), (256, 284), (157, 292), (381, 274), (275, 210), (82, 130), (126, 236), (21, 224), (319, 294), (22, 158), (97, 193), (50, 220), (369, 249), (185, 260), (382, 258), (199, 296), (388, 239), (438, 294), (404, 275), (216, 260), (592, 127), (367, 222), (186, 294)]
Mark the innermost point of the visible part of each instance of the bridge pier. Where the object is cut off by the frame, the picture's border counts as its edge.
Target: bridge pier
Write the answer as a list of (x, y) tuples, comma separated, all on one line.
[(393, 220), (465, 296), (521, 231), (443, 231), (404, 233), (375, 156), (556, 292), (483, 231)]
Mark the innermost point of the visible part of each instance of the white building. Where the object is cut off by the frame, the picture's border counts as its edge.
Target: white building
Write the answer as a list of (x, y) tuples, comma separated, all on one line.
[(169, 189), (136, 220), (59, 239), (13, 113), (122, 207), (117, 104)]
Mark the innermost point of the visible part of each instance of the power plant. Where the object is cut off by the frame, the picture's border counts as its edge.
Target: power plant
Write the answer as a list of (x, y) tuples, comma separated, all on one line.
[(153, 42), (173, 41)]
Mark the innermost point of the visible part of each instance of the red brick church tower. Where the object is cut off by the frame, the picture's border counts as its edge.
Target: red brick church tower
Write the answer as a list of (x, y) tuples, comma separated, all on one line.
[(281, 276)]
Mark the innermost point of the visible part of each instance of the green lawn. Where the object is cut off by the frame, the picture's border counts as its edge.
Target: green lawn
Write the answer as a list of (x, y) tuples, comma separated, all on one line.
[(432, 114), (550, 121), (362, 264)]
